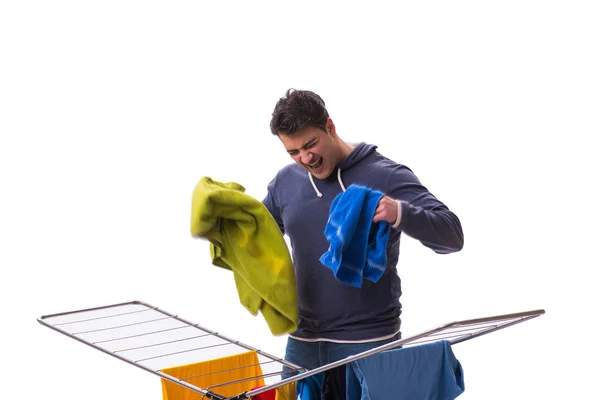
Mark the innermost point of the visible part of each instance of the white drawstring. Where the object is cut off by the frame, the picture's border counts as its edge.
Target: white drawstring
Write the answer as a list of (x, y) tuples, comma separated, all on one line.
[(319, 194), (314, 186), (340, 179)]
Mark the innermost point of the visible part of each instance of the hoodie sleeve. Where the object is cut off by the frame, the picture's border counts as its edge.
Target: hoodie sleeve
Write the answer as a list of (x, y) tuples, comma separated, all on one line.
[(424, 217), (271, 204)]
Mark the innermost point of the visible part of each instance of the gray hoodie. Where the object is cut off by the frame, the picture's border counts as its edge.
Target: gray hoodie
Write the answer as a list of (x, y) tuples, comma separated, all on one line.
[(329, 309)]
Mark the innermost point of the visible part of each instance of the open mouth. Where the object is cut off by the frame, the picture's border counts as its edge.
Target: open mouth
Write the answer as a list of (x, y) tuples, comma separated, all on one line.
[(316, 165)]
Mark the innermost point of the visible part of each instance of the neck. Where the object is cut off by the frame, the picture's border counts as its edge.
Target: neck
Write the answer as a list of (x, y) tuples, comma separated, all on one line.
[(344, 150)]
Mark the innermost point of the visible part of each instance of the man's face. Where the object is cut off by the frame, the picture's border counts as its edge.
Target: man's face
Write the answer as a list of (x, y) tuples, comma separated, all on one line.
[(313, 149)]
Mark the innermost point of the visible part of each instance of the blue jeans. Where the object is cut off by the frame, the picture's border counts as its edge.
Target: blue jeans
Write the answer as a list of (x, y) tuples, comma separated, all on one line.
[(311, 355)]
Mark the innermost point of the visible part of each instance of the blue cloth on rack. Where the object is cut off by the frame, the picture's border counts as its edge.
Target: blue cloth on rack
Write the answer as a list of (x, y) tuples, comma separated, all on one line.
[(309, 388), (423, 372), (357, 246)]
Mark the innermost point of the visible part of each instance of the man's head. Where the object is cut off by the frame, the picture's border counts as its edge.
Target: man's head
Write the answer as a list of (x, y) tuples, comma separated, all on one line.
[(303, 125)]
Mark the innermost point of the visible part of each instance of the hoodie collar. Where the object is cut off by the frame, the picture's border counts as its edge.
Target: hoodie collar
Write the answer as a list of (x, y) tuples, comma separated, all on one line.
[(359, 152)]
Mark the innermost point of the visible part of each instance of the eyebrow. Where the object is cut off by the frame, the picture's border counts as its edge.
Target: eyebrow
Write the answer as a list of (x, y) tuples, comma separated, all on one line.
[(311, 141)]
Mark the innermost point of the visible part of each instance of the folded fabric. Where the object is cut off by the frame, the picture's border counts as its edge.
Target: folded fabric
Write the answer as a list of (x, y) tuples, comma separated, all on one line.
[(310, 387), (286, 392), (243, 371), (245, 238), (424, 372), (268, 395), (357, 246)]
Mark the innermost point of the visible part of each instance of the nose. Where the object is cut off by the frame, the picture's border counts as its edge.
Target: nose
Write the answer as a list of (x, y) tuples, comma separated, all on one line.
[(306, 157)]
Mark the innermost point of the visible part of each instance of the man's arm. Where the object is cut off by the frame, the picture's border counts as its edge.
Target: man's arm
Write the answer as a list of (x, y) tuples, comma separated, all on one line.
[(271, 204), (418, 213)]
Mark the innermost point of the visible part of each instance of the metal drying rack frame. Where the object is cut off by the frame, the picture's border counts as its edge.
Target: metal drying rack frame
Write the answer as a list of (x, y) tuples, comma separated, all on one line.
[(134, 331)]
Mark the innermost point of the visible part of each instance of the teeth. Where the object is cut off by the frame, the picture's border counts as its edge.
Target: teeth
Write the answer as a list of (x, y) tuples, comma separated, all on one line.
[(314, 165)]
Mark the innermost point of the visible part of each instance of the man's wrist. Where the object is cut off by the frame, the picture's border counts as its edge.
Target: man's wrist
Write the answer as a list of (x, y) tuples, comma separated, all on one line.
[(399, 216)]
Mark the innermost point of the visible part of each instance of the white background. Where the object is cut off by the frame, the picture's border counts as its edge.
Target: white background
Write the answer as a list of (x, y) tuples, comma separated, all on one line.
[(112, 111)]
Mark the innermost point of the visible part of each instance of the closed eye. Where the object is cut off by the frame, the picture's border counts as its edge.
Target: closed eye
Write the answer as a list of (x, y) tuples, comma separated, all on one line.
[(308, 145)]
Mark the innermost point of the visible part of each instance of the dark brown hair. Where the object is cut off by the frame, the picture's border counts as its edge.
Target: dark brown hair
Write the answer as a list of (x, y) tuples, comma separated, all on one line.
[(298, 109)]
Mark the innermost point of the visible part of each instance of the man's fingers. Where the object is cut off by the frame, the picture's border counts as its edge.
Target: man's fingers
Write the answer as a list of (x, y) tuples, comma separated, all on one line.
[(379, 215), (385, 211)]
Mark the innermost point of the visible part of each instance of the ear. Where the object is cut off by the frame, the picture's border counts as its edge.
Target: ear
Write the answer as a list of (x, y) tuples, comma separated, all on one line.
[(330, 128)]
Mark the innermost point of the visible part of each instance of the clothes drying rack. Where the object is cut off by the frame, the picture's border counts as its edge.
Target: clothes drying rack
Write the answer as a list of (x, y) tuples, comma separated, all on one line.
[(153, 339)]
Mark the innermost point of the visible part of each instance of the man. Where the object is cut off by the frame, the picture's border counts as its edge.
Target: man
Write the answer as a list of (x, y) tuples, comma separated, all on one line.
[(335, 319)]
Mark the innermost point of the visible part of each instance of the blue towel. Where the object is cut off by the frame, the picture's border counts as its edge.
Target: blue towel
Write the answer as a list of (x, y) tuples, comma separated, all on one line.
[(423, 372), (357, 246), (309, 388)]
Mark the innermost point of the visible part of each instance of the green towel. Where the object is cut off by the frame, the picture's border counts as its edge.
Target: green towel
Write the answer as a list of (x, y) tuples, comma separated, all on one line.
[(245, 239)]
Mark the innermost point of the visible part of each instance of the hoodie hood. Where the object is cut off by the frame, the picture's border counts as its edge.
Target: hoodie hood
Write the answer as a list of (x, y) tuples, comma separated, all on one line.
[(360, 151)]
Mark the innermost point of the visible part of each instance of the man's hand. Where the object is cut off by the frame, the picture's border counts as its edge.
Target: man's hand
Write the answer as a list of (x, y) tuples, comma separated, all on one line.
[(388, 210)]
